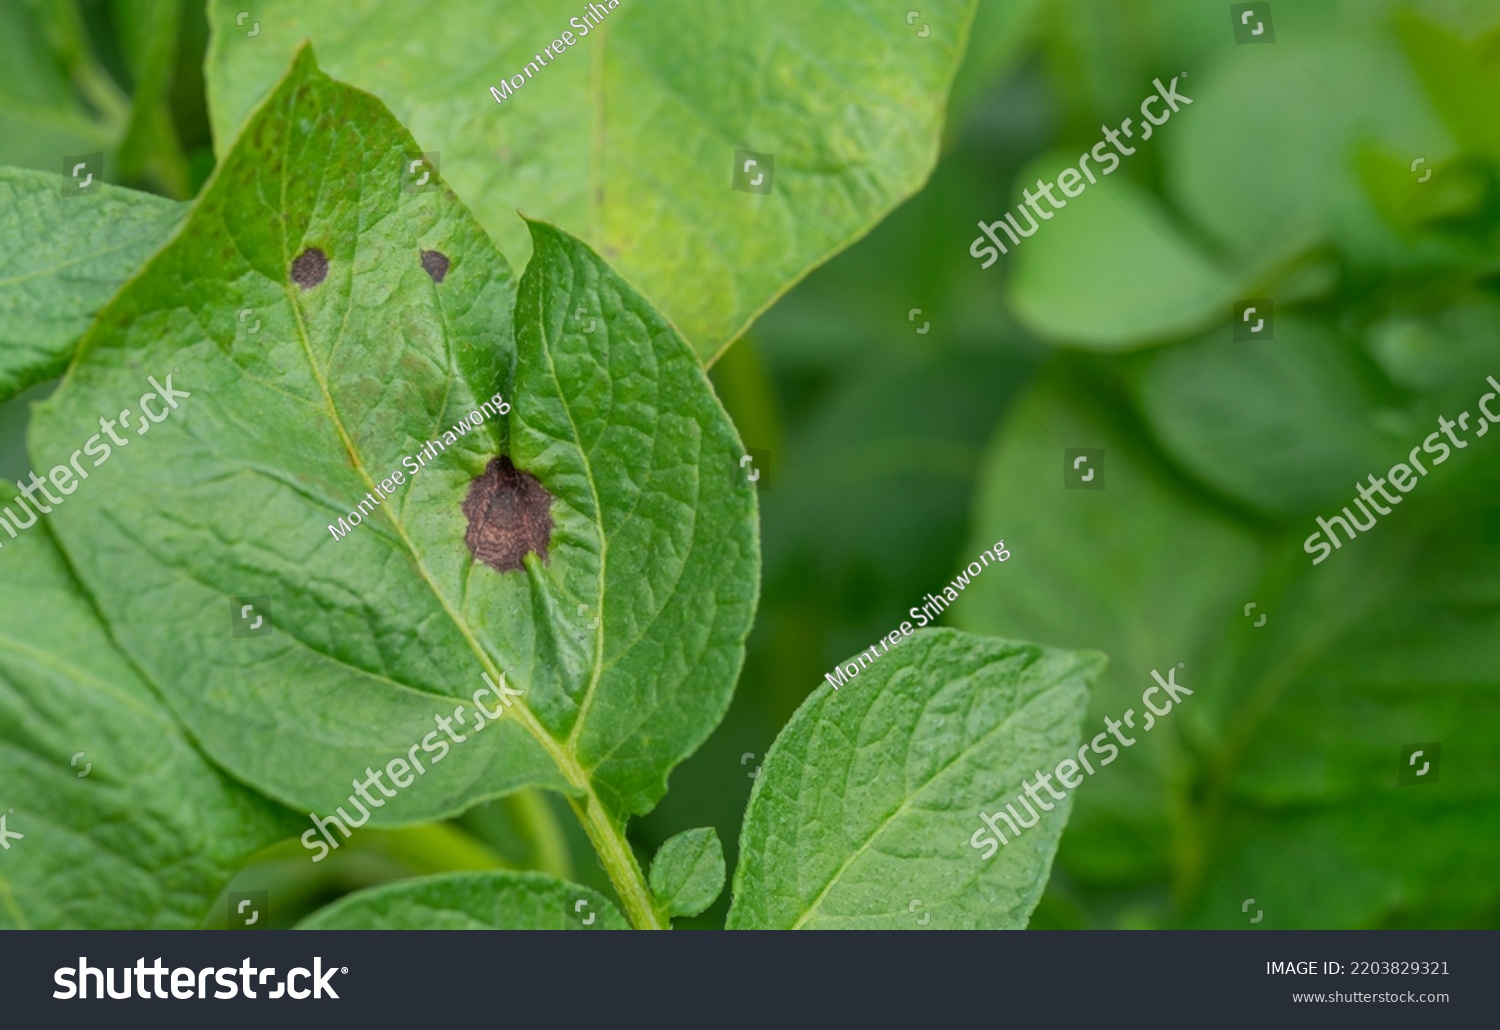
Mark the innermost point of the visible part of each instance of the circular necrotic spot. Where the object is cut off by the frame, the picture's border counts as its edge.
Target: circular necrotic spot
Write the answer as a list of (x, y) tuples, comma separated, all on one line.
[(509, 513), (310, 268), (436, 264)]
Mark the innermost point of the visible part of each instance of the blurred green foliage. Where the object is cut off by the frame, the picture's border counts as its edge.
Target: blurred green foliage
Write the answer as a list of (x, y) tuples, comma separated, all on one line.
[(897, 453)]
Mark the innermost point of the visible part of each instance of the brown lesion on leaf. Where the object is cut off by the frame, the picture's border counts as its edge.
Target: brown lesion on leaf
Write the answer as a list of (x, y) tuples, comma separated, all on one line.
[(509, 513), (310, 268), (436, 264)]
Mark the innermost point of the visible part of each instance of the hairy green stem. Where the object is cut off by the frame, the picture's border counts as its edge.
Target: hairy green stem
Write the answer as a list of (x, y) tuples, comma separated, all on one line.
[(618, 860)]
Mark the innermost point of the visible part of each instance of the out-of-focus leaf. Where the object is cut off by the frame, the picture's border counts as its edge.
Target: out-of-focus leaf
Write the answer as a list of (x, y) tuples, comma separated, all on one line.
[(471, 901), (629, 139), (62, 258), (41, 118), (687, 874), (1141, 569), (1109, 271), (125, 824), (148, 35), (867, 805), (1281, 425), (1266, 166), (1462, 78)]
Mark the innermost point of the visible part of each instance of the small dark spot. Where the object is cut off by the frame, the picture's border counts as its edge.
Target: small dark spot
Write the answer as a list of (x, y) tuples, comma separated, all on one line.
[(310, 268), (509, 513), (436, 263)]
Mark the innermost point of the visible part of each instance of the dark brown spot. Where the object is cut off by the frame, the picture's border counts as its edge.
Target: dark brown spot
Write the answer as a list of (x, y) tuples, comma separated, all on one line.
[(436, 263), (509, 513), (310, 268)]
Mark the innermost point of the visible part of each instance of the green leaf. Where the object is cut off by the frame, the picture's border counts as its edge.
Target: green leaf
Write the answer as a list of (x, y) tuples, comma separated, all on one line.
[(471, 901), (1142, 569), (125, 823), (1110, 272), (1281, 425), (63, 258), (629, 138), (1462, 78), (41, 118), (149, 31), (687, 874), (1263, 202), (656, 532), (865, 810), (625, 638)]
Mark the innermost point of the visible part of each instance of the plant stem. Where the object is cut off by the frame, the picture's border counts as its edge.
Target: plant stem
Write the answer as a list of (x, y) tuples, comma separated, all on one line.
[(618, 860)]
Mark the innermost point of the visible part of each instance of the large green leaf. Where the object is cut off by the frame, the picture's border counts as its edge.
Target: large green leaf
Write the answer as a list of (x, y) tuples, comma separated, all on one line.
[(125, 823), (629, 138), (625, 634), (64, 257), (865, 810), (471, 901)]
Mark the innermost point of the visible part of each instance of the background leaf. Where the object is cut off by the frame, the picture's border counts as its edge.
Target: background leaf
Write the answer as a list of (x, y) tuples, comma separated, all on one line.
[(687, 874), (77, 252), (869, 797), (471, 901), (139, 830), (629, 139)]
